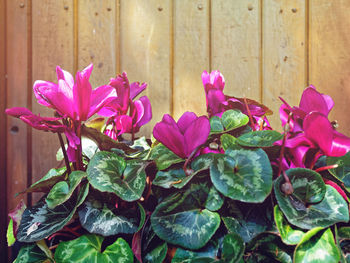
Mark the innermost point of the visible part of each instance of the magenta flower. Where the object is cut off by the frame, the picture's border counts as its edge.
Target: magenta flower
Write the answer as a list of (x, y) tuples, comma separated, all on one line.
[(214, 84), (126, 115), (78, 100), (184, 136)]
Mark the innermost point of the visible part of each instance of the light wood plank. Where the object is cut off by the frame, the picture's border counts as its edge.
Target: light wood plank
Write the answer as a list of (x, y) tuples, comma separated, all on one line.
[(191, 55), (146, 51), (330, 56), (52, 46), (235, 46), (97, 39), (284, 54), (16, 67)]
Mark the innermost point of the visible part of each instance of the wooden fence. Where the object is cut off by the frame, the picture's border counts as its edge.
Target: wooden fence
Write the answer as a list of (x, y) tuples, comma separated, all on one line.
[(264, 48)]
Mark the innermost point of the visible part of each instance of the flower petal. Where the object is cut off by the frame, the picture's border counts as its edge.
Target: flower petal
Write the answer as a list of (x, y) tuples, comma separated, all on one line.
[(171, 137), (18, 111), (185, 121), (196, 134), (319, 130), (312, 100), (100, 97), (65, 75), (144, 111), (136, 89), (82, 91), (340, 144), (40, 88)]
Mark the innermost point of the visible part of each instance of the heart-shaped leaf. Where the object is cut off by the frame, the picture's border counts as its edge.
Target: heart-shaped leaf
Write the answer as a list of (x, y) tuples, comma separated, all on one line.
[(232, 248), (158, 254), (108, 172), (228, 141), (332, 209), (45, 183), (87, 248), (317, 245), (230, 120), (342, 172), (244, 175), (290, 235), (264, 138), (31, 253), (106, 220), (39, 221), (163, 157), (63, 190), (181, 219)]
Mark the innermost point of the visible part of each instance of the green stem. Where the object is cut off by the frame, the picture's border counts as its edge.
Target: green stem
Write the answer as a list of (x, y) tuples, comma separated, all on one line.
[(64, 152)]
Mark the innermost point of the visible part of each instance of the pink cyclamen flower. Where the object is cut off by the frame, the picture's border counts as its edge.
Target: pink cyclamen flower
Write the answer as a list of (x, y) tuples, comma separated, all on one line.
[(184, 136), (51, 124), (214, 84), (76, 100)]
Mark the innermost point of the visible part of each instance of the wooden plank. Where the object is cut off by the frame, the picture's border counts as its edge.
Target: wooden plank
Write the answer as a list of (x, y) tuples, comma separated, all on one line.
[(53, 40), (146, 51), (191, 55), (16, 67), (3, 141), (235, 46), (284, 54), (330, 57), (97, 39)]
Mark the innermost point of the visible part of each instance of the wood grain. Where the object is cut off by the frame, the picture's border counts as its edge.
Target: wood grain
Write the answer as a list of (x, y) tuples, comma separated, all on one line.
[(146, 51), (52, 45), (191, 55), (3, 131), (284, 54), (235, 46), (97, 39), (330, 57), (17, 92)]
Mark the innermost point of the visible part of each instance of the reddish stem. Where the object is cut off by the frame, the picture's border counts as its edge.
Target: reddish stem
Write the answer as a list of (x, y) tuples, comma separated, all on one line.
[(64, 152), (249, 113), (189, 171), (320, 169)]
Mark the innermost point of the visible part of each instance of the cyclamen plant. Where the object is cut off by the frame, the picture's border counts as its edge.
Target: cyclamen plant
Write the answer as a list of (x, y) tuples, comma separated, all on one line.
[(219, 188)]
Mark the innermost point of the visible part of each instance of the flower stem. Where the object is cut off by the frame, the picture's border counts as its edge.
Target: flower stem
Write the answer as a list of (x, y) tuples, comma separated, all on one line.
[(79, 148), (249, 113), (189, 171), (64, 152)]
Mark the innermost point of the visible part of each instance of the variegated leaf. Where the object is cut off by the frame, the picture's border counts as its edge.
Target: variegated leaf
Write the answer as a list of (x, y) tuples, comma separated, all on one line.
[(106, 220), (264, 138), (244, 175), (163, 157), (181, 220), (108, 172), (87, 248)]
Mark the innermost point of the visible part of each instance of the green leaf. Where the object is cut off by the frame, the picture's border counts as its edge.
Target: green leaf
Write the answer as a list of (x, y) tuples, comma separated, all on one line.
[(308, 188), (156, 255), (172, 178), (269, 248), (264, 138), (63, 190), (104, 219), (87, 248), (244, 175), (228, 141), (216, 125), (233, 119), (182, 220), (39, 221), (52, 177), (214, 200), (317, 246), (342, 172), (344, 232), (232, 248), (9, 234), (289, 234), (31, 253), (108, 172), (163, 157)]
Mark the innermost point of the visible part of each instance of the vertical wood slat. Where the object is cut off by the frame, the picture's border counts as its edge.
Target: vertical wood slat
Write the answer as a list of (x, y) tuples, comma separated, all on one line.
[(52, 45), (146, 51), (236, 46), (284, 54), (17, 74), (191, 55), (3, 141), (329, 55), (97, 39)]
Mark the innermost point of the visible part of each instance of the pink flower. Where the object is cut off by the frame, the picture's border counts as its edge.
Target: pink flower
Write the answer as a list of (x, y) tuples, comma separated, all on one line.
[(214, 84), (76, 100), (184, 136)]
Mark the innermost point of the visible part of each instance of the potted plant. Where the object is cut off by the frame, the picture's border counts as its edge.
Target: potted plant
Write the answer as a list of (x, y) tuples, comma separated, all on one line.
[(219, 188)]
